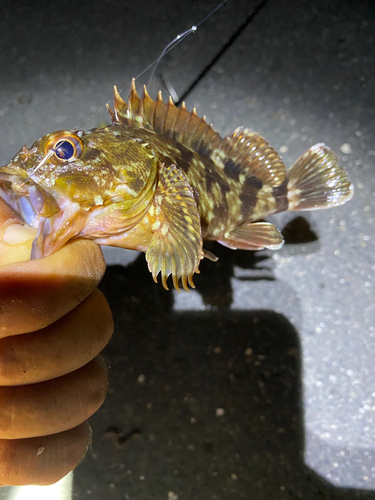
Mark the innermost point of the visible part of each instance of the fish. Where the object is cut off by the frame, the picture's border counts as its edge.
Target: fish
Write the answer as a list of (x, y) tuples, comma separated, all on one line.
[(159, 179)]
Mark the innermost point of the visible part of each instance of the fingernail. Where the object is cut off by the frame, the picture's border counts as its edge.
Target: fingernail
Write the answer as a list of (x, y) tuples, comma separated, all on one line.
[(16, 234)]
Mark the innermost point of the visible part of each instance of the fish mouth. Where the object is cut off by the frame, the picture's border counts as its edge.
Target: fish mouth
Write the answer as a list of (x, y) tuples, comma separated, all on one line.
[(40, 210), (30, 200)]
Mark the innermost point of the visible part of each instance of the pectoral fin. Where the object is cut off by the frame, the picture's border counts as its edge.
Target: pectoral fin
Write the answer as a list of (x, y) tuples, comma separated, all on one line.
[(176, 244), (254, 236)]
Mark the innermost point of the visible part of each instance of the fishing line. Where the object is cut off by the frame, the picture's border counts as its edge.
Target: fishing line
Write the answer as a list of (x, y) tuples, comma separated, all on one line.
[(171, 45), (44, 159), (223, 50), (179, 39)]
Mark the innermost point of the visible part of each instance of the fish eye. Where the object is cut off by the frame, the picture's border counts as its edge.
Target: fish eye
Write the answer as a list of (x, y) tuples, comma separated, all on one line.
[(65, 146), (64, 150)]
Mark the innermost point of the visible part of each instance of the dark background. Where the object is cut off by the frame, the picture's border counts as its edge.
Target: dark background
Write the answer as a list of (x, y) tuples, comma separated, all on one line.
[(283, 342)]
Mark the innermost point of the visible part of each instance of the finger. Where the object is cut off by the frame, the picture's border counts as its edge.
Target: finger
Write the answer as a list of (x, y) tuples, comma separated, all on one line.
[(36, 293), (15, 238), (42, 460), (60, 348), (53, 406)]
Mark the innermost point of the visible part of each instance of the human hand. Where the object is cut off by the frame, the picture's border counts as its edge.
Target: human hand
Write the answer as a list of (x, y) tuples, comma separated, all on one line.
[(53, 324)]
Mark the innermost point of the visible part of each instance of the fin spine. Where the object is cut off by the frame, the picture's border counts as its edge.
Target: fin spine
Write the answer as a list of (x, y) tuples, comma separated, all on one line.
[(243, 152)]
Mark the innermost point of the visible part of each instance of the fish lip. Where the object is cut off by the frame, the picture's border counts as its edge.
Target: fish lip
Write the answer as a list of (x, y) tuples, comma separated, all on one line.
[(26, 196), (13, 168), (20, 203), (12, 176), (20, 184)]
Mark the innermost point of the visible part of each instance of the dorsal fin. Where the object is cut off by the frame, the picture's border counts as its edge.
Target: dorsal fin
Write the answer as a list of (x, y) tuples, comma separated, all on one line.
[(165, 119), (242, 152), (247, 152)]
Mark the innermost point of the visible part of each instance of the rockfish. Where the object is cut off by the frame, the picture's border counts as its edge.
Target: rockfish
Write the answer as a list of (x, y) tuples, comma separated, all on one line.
[(160, 180)]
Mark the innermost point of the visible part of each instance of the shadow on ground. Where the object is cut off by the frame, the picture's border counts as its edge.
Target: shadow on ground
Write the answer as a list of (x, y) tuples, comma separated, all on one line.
[(203, 404)]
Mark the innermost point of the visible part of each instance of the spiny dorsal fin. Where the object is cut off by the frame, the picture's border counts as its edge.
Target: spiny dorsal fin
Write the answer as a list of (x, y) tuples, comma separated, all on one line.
[(244, 152), (118, 115), (175, 123)]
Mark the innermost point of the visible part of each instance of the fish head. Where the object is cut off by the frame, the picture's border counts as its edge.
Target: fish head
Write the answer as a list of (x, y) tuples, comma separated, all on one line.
[(68, 178)]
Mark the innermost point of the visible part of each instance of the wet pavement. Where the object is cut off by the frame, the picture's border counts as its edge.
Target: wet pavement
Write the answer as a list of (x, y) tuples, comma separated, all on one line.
[(261, 383)]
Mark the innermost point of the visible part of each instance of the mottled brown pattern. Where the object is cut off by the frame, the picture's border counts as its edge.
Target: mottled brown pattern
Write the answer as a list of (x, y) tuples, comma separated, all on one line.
[(248, 204), (252, 183), (280, 194), (92, 154), (201, 172)]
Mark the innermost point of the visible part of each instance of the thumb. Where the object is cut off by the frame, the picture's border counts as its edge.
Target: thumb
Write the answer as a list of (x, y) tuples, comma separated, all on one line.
[(36, 293), (15, 238)]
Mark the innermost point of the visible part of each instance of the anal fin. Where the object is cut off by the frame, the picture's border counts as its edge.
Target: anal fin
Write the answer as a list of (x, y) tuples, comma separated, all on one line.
[(254, 236), (176, 245)]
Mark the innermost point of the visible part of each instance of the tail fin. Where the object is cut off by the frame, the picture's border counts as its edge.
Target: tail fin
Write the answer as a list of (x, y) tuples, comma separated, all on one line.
[(316, 181)]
